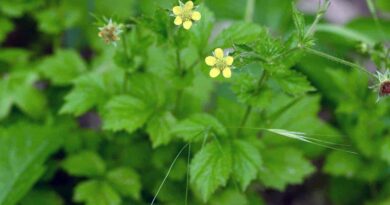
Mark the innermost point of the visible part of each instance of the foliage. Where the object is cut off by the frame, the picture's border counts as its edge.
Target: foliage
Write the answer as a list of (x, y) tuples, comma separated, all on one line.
[(139, 120)]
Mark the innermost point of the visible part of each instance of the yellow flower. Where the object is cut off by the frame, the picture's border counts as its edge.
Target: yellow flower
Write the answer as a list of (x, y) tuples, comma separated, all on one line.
[(110, 32), (185, 15), (220, 63)]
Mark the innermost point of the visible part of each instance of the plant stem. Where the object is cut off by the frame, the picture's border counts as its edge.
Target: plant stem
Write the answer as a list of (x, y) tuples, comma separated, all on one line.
[(250, 10), (124, 44), (179, 93), (335, 59), (249, 108)]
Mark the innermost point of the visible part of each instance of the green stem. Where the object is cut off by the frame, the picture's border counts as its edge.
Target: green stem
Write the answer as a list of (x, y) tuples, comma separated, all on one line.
[(320, 13), (126, 76), (249, 108), (250, 10), (179, 93), (335, 59)]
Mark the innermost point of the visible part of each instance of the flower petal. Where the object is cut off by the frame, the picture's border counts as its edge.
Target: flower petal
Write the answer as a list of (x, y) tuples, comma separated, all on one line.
[(178, 21), (229, 60), (218, 53), (187, 25), (211, 61), (177, 10), (196, 16), (189, 5), (214, 72), (227, 72)]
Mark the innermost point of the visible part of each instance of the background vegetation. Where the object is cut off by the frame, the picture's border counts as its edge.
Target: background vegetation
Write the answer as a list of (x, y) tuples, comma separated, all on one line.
[(83, 122)]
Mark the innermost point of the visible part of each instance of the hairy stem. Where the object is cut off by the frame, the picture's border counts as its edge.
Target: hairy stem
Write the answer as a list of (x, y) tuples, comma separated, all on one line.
[(249, 108), (335, 59)]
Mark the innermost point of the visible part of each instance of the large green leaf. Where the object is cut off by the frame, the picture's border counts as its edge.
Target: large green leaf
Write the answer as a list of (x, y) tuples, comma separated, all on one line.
[(246, 162), (210, 169), (23, 150)]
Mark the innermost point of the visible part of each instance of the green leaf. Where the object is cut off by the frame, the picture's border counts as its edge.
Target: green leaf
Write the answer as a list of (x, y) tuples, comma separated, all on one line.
[(84, 164), (94, 192), (42, 197), (125, 113), (23, 150), (229, 197), (159, 128), (63, 67), (125, 181), (210, 169), (342, 164), (18, 88), (284, 166), (238, 33), (246, 162), (292, 82), (191, 129), (299, 22), (54, 20), (92, 90)]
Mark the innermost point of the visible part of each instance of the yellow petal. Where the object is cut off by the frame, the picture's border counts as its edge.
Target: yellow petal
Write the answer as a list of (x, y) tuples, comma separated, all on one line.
[(214, 72), (178, 21), (218, 53), (227, 73), (229, 60), (189, 5), (211, 61), (177, 10), (187, 25), (196, 16)]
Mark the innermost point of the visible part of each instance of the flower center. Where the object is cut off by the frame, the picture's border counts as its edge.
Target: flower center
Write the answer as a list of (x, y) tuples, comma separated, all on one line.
[(385, 88), (221, 64), (186, 15)]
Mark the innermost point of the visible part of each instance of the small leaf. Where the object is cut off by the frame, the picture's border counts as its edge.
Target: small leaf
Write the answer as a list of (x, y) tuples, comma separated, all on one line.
[(159, 128), (210, 169), (86, 164), (299, 22), (284, 166), (125, 181), (191, 129), (125, 113), (246, 162), (94, 192)]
